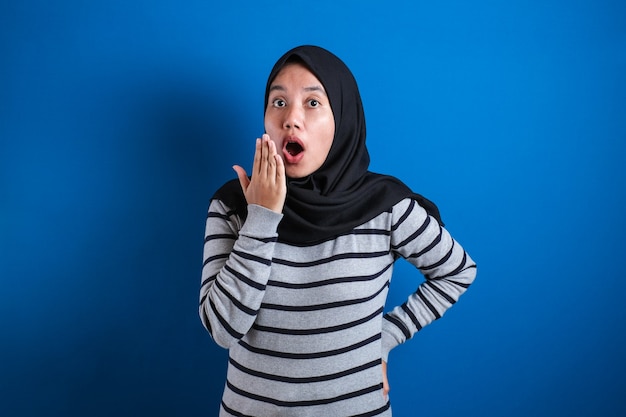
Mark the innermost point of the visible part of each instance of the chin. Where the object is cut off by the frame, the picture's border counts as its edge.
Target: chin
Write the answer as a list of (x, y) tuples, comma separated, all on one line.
[(295, 174)]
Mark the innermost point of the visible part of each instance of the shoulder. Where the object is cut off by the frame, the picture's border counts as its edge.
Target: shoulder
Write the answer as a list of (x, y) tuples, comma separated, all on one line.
[(231, 196), (411, 211), (228, 190), (409, 204)]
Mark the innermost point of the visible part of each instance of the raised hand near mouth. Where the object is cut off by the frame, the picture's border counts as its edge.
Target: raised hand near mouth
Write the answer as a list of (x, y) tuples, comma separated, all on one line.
[(267, 187)]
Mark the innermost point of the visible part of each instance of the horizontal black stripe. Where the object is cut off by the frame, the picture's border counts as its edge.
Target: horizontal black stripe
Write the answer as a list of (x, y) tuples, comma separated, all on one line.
[(304, 403), (404, 216), (220, 236), (462, 284), (321, 330), (312, 355), (224, 323), (207, 281), (442, 293), (332, 281), (431, 245), (456, 270), (414, 235), (252, 257), (375, 412), (347, 233), (374, 232), (372, 413), (304, 380), (233, 412), (236, 302), (213, 214), (205, 320), (396, 322), (428, 304), (245, 279), (267, 239), (203, 298), (412, 316), (440, 261), (338, 257), (324, 306), (214, 258)]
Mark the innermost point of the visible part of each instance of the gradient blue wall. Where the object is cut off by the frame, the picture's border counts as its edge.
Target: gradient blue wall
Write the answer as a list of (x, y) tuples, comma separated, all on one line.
[(118, 119)]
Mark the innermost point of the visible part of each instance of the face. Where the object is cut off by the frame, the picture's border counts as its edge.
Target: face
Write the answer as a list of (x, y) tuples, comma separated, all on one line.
[(298, 118)]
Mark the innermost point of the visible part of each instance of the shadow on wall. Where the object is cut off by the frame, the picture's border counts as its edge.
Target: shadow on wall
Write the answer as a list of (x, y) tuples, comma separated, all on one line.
[(115, 329)]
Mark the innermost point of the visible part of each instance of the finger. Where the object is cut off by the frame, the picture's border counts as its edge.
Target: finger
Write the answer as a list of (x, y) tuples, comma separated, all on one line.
[(244, 181), (385, 380), (256, 165), (271, 171), (280, 169), (265, 153)]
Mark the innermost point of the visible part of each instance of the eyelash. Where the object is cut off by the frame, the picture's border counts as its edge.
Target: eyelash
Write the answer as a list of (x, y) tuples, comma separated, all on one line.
[(276, 100), (312, 102)]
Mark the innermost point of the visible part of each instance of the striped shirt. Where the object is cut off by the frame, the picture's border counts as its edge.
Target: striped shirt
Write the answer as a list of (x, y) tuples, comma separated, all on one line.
[(304, 324)]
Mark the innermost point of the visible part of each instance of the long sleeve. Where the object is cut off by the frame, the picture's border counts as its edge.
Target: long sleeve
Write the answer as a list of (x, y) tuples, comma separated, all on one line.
[(236, 268), (447, 268)]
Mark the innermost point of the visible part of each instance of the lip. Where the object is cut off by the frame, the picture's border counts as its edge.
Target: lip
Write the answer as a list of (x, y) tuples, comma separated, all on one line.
[(289, 158)]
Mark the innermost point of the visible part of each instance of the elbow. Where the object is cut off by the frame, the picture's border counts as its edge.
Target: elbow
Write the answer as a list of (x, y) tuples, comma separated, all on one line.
[(220, 336), (473, 270), (469, 270), (222, 342), (468, 276)]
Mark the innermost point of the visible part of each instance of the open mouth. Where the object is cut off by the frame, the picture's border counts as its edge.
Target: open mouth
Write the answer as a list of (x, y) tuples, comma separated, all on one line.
[(293, 148)]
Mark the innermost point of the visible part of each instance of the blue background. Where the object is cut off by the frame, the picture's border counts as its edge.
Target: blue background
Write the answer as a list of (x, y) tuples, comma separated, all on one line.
[(118, 120)]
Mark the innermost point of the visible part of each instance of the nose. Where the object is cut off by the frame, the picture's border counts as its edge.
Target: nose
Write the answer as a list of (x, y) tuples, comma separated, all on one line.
[(293, 118)]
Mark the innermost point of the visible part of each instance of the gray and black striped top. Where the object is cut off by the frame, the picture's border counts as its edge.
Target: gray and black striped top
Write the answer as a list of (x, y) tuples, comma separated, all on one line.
[(304, 325)]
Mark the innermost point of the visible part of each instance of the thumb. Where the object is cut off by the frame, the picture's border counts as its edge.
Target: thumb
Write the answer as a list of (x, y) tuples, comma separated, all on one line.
[(385, 380), (243, 177)]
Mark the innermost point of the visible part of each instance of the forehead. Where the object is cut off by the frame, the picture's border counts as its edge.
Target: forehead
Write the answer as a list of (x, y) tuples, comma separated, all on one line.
[(298, 75)]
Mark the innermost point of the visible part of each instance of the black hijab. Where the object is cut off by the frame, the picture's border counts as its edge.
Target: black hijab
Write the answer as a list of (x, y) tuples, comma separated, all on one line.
[(342, 193)]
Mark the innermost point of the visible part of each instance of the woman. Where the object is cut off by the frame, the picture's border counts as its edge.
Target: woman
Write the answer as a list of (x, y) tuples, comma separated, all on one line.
[(298, 258)]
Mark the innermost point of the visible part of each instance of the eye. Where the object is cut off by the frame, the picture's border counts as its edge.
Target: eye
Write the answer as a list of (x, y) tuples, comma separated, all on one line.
[(278, 102), (314, 103)]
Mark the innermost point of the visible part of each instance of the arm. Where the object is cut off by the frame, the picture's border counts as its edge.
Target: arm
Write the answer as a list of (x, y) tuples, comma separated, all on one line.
[(236, 268), (448, 270), (237, 261)]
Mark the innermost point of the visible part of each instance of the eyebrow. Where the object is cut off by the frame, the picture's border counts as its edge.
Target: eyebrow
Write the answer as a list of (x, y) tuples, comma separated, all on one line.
[(279, 87)]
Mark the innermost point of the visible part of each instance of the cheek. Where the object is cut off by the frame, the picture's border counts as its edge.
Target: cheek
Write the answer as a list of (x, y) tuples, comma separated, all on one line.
[(270, 126), (329, 134)]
